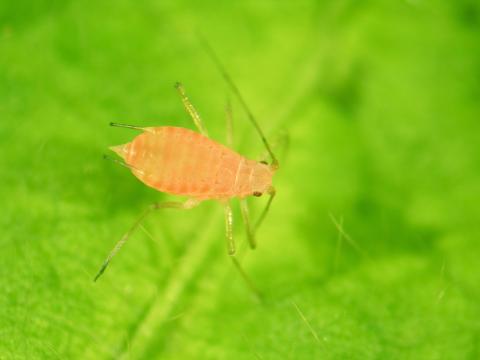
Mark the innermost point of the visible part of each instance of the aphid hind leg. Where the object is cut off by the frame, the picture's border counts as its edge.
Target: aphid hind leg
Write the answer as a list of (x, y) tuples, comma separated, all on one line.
[(191, 109), (246, 222), (156, 206), (231, 248)]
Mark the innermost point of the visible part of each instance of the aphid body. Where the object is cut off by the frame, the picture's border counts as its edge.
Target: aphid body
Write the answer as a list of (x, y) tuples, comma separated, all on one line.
[(180, 161), (183, 162)]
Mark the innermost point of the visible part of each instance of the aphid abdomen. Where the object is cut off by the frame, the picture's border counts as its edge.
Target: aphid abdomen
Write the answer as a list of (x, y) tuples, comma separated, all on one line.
[(180, 161)]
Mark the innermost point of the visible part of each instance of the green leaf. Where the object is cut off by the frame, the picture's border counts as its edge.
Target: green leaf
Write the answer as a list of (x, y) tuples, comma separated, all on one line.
[(371, 247)]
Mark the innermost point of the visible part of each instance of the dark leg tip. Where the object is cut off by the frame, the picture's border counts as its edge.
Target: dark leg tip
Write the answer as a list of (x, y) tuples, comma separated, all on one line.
[(100, 272)]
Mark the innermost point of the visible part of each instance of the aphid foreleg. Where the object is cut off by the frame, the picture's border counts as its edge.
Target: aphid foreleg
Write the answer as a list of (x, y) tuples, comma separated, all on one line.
[(231, 248), (191, 109), (246, 221), (156, 206), (272, 193)]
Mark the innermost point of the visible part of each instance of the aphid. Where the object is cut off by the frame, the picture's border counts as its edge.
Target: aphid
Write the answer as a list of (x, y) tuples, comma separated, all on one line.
[(180, 161)]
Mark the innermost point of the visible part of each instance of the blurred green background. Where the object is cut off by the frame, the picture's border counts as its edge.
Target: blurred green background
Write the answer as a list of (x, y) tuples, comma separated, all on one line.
[(381, 104)]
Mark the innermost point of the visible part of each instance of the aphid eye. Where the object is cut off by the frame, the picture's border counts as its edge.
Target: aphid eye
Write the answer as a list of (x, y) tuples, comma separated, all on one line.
[(257, 193), (263, 162)]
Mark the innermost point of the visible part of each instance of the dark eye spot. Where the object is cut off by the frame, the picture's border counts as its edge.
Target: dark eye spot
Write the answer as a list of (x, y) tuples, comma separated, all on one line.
[(263, 162), (257, 193)]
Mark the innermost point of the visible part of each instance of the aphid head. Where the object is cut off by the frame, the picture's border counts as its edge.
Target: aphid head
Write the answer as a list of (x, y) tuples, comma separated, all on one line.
[(261, 179)]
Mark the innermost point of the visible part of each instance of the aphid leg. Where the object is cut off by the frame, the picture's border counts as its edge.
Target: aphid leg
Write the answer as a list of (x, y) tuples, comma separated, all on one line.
[(243, 202), (246, 221), (272, 193), (231, 248), (229, 123), (229, 229), (191, 109), (156, 206)]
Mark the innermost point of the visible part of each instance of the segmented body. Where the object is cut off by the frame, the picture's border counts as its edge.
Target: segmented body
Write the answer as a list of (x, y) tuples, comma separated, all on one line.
[(180, 161)]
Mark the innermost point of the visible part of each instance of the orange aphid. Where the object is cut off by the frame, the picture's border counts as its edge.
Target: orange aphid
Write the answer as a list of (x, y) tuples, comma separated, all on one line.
[(180, 161)]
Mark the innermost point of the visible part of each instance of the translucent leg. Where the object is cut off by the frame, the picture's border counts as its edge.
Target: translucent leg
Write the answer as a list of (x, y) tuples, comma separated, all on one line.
[(246, 221), (272, 193), (229, 230), (157, 206), (243, 202), (232, 251), (191, 109)]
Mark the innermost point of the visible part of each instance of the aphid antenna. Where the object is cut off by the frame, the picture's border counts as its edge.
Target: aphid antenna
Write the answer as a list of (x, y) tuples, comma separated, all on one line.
[(213, 56)]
